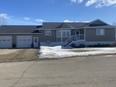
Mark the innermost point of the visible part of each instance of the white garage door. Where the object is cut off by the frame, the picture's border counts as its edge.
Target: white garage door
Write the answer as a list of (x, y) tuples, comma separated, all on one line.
[(24, 41), (5, 41)]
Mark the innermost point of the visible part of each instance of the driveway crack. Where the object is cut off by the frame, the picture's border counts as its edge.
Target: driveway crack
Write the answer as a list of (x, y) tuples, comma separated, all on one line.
[(22, 74)]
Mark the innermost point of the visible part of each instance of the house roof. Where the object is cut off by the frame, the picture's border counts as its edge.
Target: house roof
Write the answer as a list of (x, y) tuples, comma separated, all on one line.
[(64, 25), (76, 25), (96, 22), (104, 26), (33, 29), (19, 29)]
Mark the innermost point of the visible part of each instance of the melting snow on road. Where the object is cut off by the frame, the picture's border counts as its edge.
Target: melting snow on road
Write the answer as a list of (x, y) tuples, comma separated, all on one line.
[(58, 52)]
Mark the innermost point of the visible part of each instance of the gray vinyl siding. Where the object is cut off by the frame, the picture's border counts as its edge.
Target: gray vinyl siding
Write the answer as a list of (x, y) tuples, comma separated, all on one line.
[(44, 38), (59, 39), (109, 35)]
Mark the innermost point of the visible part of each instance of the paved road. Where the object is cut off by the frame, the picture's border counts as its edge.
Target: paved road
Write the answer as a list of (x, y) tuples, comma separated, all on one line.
[(71, 72)]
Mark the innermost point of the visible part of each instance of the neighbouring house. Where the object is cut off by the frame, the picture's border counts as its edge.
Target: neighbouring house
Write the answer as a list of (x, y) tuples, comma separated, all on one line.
[(57, 33)]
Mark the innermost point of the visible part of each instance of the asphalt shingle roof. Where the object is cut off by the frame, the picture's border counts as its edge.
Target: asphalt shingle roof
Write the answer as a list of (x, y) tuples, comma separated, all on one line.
[(19, 29), (57, 25), (76, 25), (103, 26), (23, 29)]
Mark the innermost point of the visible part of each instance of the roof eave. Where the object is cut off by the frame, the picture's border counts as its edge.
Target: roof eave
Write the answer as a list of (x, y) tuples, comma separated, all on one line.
[(99, 27), (20, 33)]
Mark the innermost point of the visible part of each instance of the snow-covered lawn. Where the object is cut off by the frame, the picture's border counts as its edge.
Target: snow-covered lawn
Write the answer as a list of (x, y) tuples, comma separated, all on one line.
[(58, 52)]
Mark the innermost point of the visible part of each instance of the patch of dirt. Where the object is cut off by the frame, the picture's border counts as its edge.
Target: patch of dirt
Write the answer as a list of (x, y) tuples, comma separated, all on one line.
[(20, 55), (8, 51)]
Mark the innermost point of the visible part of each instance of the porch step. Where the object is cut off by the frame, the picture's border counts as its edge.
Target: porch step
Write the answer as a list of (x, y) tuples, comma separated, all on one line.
[(69, 43)]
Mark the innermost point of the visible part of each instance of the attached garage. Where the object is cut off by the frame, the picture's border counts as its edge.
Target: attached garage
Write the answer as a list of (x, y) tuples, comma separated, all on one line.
[(5, 41), (24, 41)]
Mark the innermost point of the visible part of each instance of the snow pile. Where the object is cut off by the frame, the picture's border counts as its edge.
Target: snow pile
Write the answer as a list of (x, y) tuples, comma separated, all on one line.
[(58, 52), (55, 52)]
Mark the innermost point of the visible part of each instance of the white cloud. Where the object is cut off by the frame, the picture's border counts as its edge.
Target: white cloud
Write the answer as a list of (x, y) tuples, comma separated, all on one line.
[(68, 20), (74, 21), (91, 2), (101, 3), (12, 20), (20, 21), (85, 21), (39, 20), (27, 18), (5, 16), (76, 1)]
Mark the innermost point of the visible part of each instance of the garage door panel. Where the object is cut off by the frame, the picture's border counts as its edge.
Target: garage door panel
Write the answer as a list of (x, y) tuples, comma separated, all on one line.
[(24, 41), (5, 41)]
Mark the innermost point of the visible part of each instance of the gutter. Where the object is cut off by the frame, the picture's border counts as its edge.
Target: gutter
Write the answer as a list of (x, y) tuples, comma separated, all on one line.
[(20, 33)]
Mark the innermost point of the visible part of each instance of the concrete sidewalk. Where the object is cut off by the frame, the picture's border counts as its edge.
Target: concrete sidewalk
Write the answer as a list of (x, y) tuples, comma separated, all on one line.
[(99, 71)]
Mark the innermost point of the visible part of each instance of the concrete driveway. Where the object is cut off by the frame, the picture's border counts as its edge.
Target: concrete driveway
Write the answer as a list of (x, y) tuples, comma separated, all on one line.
[(97, 71)]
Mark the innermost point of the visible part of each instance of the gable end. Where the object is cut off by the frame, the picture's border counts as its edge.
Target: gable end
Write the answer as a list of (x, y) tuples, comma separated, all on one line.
[(97, 23)]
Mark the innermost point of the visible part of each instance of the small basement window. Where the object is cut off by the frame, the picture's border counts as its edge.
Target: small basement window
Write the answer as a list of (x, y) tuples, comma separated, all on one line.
[(100, 32)]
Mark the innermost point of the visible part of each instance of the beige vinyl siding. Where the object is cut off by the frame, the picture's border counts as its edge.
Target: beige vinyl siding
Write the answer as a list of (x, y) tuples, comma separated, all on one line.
[(109, 35)]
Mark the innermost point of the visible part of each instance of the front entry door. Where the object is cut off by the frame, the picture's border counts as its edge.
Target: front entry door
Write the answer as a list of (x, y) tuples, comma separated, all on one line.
[(35, 42), (77, 34)]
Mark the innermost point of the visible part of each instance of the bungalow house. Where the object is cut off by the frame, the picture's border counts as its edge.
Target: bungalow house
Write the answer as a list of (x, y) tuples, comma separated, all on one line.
[(57, 33)]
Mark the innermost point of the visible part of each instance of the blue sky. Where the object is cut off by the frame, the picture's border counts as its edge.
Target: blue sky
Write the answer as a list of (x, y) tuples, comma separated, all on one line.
[(33, 12)]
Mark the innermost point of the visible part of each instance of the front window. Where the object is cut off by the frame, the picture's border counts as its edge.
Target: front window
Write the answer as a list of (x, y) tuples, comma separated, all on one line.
[(80, 34), (47, 33), (63, 33), (100, 32)]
